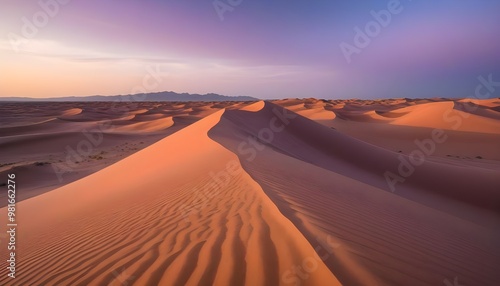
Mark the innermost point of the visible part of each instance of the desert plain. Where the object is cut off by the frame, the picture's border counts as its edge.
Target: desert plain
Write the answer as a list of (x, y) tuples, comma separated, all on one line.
[(280, 192)]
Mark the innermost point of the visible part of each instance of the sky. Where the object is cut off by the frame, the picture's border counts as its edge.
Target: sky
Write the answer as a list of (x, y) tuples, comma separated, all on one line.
[(262, 48)]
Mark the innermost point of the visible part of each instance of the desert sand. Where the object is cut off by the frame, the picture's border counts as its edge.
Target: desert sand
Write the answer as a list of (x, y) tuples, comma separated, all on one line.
[(54, 144), (285, 192)]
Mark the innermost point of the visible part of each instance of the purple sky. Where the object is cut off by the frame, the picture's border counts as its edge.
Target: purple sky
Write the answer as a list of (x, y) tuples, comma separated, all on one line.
[(265, 49)]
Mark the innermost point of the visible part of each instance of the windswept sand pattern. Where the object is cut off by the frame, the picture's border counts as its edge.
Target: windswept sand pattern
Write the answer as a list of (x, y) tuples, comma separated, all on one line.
[(177, 227), (189, 194), (383, 239), (39, 139), (394, 124), (411, 237), (225, 241)]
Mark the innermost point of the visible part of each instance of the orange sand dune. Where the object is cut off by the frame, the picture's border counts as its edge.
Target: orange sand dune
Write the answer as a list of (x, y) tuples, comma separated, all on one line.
[(91, 115), (255, 194), (314, 109), (443, 115), (478, 109), (371, 128), (253, 107), (361, 116), (72, 111), (49, 126), (145, 126), (459, 145), (139, 111), (289, 102), (492, 102), (390, 114), (166, 222), (36, 158), (442, 220), (105, 133), (149, 116)]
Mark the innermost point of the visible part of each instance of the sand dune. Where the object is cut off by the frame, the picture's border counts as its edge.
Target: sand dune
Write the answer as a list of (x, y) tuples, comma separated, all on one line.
[(52, 134), (470, 116), (395, 124), (153, 125), (72, 111), (362, 116), (231, 233), (478, 109), (491, 103), (416, 234), (443, 115), (285, 193)]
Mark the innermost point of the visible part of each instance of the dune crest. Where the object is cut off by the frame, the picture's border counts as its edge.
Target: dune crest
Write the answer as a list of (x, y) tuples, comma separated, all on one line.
[(443, 115), (178, 220), (332, 187), (72, 111), (255, 194), (254, 107), (153, 125)]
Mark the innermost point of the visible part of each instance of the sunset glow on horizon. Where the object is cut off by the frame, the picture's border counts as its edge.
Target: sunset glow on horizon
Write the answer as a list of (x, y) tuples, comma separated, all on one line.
[(54, 48)]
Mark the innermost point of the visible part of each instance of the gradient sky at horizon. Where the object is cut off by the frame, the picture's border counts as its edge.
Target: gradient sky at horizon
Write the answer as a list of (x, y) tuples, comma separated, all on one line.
[(266, 49)]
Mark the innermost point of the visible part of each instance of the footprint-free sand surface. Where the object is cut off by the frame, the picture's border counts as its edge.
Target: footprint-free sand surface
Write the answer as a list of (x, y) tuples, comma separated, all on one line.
[(288, 192)]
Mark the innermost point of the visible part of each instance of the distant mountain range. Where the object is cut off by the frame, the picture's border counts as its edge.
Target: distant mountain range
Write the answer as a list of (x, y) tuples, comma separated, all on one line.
[(156, 96)]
